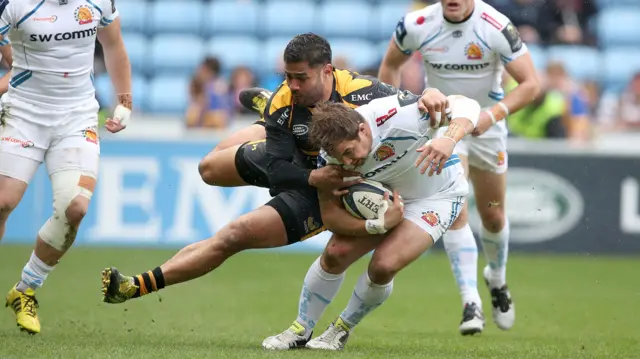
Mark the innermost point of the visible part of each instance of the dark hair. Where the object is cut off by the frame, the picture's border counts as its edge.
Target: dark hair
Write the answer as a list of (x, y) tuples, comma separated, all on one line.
[(310, 48), (332, 123), (212, 64)]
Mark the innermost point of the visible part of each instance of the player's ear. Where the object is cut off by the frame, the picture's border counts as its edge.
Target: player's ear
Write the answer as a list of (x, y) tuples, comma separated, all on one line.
[(327, 69)]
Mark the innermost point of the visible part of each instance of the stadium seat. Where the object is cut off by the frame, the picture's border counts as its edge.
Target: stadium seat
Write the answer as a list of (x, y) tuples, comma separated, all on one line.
[(619, 26), (235, 51), (176, 17), (582, 62), (168, 95), (386, 17), (289, 17), (603, 4), (231, 17), (538, 55), (620, 64), (106, 95), (360, 54), (133, 15), (345, 19), (177, 54), (136, 45), (272, 52)]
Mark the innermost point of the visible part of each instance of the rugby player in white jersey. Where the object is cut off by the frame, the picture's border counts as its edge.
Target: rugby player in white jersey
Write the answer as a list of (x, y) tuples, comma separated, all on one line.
[(50, 114), (465, 45), (386, 140)]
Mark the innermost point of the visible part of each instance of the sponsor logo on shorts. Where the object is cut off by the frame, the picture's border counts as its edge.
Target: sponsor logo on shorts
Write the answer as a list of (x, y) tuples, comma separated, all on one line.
[(51, 18), (90, 135), (310, 225), (83, 15), (23, 143), (300, 130), (431, 217), (501, 158), (473, 51), (385, 151)]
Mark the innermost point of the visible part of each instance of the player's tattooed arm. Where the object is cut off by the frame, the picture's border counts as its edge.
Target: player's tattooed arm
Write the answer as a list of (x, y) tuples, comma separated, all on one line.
[(126, 100)]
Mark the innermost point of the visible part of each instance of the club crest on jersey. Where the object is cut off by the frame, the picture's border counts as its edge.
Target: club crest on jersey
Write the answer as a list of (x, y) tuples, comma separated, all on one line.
[(431, 217), (84, 15), (385, 151), (90, 135), (474, 51)]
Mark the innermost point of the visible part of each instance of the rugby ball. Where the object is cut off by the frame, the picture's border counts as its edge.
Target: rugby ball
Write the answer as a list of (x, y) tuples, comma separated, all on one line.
[(364, 199)]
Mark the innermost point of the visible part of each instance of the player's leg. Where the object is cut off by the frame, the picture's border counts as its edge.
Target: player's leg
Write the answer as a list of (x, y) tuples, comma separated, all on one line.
[(404, 244), (488, 166), (320, 286), (462, 250), (241, 165), (286, 219)]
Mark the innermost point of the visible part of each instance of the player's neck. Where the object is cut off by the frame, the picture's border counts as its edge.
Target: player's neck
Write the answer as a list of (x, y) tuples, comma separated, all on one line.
[(328, 89), (466, 17)]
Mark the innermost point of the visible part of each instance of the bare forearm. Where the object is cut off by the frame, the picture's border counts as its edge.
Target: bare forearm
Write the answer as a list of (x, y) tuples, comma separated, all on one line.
[(336, 219), (518, 98), (119, 69), (390, 75), (458, 128)]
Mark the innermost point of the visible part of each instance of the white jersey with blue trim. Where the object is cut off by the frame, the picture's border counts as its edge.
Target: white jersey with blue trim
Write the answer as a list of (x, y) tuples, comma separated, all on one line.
[(53, 43), (464, 58), (398, 129)]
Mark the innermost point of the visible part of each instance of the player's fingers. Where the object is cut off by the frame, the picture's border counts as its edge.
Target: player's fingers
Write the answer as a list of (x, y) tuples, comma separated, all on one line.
[(349, 173), (443, 162), (350, 182), (340, 192), (385, 196), (397, 200), (428, 162), (425, 153), (434, 164)]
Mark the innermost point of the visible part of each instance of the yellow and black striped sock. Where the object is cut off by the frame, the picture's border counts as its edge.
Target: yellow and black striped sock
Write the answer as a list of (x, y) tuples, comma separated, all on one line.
[(149, 282)]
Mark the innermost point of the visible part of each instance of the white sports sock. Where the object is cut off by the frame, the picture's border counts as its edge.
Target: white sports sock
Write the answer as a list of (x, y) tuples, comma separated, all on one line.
[(496, 250), (462, 250), (366, 297), (34, 274), (318, 291)]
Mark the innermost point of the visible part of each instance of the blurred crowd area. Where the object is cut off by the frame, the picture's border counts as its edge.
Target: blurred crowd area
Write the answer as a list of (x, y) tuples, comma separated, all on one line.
[(584, 51)]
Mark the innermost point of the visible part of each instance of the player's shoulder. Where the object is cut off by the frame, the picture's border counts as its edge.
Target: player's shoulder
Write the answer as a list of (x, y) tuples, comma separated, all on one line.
[(11, 7), (280, 99), (491, 19), (348, 82), (424, 18)]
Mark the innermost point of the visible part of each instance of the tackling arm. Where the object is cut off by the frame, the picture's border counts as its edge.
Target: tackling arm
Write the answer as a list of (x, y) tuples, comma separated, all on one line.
[(336, 219)]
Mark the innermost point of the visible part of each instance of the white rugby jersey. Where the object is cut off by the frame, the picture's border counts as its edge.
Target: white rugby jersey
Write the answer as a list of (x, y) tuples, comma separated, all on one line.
[(399, 128), (53, 45), (463, 58)]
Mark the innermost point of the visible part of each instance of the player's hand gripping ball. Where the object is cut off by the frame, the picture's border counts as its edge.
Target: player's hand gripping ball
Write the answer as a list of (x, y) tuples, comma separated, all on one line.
[(363, 200)]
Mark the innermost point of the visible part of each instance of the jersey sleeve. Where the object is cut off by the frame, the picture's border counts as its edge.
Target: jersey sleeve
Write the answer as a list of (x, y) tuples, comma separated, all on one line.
[(108, 12), (363, 89), (505, 40), (6, 20), (406, 35)]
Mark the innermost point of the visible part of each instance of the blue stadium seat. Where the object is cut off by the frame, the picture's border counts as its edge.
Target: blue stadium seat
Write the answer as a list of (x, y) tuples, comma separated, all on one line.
[(346, 19), (289, 17), (235, 51), (168, 95), (538, 55), (177, 54), (386, 17), (582, 62), (620, 64), (176, 17), (272, 52), (232, 17), (361, 54), (133, 15), (106, 95), (136, 45), (603, 4), (619, 26)]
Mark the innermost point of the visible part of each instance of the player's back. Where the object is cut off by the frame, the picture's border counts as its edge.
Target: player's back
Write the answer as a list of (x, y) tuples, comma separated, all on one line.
[(53, 48)]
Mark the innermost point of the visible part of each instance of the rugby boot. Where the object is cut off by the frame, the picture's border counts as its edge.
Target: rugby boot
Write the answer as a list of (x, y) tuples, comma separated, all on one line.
[(117, 288), (504, 310), (295, 337), (255, 99), (24, 306), (472, 319), (334, 338)]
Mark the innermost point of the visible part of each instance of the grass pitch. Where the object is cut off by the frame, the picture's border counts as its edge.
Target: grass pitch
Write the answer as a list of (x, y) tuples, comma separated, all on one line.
[(567, 307)]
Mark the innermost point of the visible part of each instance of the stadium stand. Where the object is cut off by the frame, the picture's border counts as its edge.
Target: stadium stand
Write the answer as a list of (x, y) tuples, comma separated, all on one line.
[(254, 33)]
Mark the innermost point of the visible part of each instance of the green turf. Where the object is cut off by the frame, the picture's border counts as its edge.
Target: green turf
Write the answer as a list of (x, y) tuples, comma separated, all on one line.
[(568, 307)]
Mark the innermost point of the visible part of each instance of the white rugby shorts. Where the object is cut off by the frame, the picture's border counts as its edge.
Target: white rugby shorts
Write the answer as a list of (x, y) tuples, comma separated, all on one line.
[(485, 153), (62, 138), (435, 216)]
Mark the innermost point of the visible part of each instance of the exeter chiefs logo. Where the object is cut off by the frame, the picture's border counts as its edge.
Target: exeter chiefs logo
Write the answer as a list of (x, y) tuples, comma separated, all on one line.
[(473, 51), (84, 15), (385, 151), (431, 217)]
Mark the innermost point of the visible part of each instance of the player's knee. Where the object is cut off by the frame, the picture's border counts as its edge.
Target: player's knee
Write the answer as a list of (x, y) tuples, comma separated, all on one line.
[(383, 270), (493, 219), (6, 207), (76, 210), (234, 237)]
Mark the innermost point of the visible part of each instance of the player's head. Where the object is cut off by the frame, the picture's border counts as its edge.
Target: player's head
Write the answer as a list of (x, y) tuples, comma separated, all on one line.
[(457, 10), (342, 132), (307, 66)]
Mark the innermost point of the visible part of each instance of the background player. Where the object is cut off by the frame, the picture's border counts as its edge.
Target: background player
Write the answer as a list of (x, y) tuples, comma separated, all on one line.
[(465, 45), (385, 148), (50, 114)]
